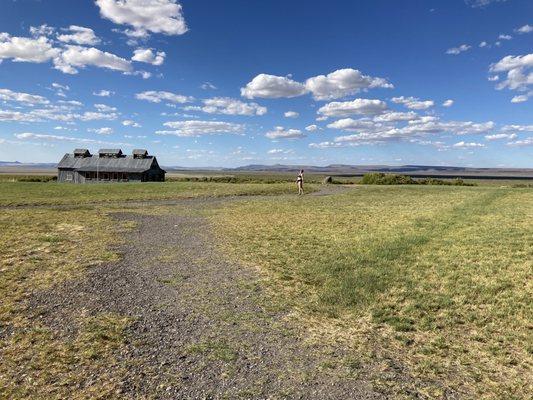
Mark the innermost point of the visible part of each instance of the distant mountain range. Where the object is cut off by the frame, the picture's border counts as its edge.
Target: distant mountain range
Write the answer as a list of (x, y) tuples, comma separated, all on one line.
[(413, 170), (333, 169)]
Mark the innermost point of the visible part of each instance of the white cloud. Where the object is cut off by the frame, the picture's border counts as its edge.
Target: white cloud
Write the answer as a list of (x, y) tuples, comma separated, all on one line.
[(466, 145), (311, 128), (291, 114), (22, 49), (102, 131), (9, 95), (281, 133), (79, 35), (517, 128), (493, 78), (342, 83), (448, 103), (149, 57), (349, 124), (42, 30), (272, 87), (280, 151), (525, 29), (228, 106), (97, 116), (481, 3), (131, 123), (413, 103), (483, 44), (208, 86), (458, 50), (519, 71), (159, 96), (499, 136), (103, 93), (520, 98), (74, 57), (357, 106), (395, 116), (201, 128), (520, 143), (157, 16), (105, 108), (505, 37), (57, 138)]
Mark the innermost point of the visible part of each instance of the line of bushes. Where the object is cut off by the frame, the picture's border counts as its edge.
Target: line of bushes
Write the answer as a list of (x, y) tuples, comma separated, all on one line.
[(380, 178), (28, 178)]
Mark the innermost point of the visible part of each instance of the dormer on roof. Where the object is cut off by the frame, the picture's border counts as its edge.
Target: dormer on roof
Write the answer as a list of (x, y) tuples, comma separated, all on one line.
[(140, 153), (110, 153), (81, 153)]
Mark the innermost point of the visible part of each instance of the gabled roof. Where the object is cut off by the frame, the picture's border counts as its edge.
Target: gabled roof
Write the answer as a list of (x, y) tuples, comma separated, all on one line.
[(140, 152), (107, 164)]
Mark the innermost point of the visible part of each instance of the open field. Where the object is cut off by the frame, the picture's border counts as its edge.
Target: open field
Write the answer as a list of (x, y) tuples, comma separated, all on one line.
[(351, 292)]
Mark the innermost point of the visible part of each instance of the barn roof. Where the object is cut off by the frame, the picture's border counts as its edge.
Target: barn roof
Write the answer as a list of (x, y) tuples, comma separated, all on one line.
[(107, 164)]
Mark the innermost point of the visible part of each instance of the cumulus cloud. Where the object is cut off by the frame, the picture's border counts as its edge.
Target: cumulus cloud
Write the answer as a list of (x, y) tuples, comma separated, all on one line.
[(448, 103), (201, 128), (23, 49), (291, 114), (79, 35), (311, 128), (520, 143), (525, 29), (42, 30), (102, 131), (481, 3), (208, 86), (342, 83), (133, 124), (337, 84), (149, 57), (357, 106), (9, 95), (458, 50), (105, 108), (519, 71), (483, 44), (272, 87), (159, 96), (280, 151), (228, 106), (520, 98), (413, 103), (349, 124), (395, 116), (103, 93), (145, 16), (467, 145), (499, 136), (281, 133), (74, 57), (57, 138)]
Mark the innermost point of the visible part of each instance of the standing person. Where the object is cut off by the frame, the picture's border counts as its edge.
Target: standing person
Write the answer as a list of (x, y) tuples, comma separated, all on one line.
[(300, 182)]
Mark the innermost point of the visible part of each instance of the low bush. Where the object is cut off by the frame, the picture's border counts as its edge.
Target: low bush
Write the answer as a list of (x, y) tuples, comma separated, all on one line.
[(379, 178)]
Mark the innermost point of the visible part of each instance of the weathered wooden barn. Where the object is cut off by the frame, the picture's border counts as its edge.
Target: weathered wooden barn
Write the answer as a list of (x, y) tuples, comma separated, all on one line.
[(109, 165)]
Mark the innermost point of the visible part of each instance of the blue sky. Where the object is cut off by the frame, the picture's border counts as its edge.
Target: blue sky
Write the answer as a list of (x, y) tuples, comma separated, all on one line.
[(228, 83)]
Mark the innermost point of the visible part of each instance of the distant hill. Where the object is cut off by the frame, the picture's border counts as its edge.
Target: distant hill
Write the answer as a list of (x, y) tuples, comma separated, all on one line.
[(413, 170)]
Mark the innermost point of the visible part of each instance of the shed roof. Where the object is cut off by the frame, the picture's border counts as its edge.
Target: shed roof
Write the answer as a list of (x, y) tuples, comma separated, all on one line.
[(105, 164)]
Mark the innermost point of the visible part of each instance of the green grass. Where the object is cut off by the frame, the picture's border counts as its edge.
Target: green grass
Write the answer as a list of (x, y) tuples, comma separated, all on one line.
[(29, 193), (438, 278)]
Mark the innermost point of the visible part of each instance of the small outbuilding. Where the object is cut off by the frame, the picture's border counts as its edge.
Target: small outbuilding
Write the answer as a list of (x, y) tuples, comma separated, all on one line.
[(109, 165)]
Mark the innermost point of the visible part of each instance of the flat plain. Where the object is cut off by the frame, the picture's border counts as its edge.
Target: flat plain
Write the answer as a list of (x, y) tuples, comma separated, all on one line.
[(230, 290)]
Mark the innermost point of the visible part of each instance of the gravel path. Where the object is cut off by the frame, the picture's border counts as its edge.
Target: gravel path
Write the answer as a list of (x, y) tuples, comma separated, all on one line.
[(203, 327)]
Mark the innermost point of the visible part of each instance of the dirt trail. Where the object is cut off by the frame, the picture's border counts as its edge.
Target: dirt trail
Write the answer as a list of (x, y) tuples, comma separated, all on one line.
[(203, 327)]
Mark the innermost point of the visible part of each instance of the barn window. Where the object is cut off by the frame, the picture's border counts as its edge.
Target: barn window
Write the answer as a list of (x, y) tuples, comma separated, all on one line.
[(68, 176)]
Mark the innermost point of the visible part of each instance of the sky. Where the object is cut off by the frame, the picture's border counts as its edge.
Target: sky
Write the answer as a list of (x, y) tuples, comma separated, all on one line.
[(227, 83)]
